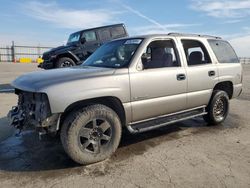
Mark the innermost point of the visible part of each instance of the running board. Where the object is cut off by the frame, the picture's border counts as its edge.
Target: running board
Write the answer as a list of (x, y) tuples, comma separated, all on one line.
[(163, 121)]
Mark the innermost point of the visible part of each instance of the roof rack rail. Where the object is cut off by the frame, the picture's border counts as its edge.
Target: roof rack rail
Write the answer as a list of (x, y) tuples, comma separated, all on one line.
[(194, 35)]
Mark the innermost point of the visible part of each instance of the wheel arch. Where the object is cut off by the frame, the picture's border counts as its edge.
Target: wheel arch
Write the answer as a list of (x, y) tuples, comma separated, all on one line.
[(68, 55), (110, 101), (226, 86)]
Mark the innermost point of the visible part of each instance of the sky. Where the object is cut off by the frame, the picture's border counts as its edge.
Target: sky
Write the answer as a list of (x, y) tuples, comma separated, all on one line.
[(49, 22)]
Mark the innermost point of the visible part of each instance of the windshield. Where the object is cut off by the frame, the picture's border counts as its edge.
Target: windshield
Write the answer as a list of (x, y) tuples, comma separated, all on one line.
[(74, 37), (115, 54)]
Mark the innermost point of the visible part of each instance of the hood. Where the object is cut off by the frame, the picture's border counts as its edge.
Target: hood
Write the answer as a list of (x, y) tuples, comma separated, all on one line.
[(60, 48), (36, 81)]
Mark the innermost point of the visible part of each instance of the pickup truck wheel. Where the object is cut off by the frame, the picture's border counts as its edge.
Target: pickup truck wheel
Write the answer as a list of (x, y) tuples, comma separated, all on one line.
[(218, 108), (64, 62), (92, 134)]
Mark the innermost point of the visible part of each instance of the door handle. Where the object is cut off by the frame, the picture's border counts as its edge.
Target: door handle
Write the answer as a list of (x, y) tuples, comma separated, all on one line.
[(181, 77), (211, 73)]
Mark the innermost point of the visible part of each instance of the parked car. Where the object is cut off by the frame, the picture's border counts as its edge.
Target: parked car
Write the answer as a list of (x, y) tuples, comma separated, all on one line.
[(81, 45), (140, 83)]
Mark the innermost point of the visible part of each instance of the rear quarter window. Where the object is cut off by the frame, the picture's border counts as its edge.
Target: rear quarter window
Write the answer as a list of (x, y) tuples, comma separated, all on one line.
[(104, 34), (223, 51), (117, 31)]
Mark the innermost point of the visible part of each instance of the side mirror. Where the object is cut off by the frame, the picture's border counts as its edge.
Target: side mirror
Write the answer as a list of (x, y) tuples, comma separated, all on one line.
[(145, 58), (83, 40)]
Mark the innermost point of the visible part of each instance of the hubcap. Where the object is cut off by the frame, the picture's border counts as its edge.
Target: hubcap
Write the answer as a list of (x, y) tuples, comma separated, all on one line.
[(94, 135), (66, 64), (219, 108)]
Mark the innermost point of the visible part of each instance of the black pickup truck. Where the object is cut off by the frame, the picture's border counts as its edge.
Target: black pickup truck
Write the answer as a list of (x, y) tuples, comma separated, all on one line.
[(80, 45)]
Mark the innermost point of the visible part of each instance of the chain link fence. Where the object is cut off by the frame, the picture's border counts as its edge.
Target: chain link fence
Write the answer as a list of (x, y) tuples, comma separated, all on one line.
[(245, 60), (14, 53)]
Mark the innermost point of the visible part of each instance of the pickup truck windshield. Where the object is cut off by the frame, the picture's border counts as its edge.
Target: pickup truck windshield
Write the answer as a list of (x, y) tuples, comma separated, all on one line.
[(74, 37), (115, 54)]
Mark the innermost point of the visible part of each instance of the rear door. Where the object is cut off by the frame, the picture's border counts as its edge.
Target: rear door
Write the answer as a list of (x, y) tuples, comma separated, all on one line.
[(202, 73), (91, 43)]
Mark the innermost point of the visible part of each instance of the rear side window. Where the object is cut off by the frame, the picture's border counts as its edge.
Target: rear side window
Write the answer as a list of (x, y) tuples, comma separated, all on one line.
[(223, 51), (196, 53), (89, 36), (104, 34), (117, 31)]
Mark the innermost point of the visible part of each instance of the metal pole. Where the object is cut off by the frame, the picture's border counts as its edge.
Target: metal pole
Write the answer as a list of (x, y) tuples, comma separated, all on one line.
[(39, 50), (13, 52)]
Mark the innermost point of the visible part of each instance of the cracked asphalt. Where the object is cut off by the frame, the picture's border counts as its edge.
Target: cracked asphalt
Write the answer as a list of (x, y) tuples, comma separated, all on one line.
[(186, 154)]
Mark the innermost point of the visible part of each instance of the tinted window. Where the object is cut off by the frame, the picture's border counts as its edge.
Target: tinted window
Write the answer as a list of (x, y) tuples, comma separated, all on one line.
[(104, 34), (117, 31), (89, 36), (196, 53), (160, 54), (223, 51)]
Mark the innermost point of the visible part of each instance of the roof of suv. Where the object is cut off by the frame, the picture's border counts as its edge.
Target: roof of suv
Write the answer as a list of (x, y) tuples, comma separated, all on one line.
[(106, 26), (176, 35), (192, 35)]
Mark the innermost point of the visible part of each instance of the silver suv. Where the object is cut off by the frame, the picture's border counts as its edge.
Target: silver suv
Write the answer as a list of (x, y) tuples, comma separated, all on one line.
[(141, 83)]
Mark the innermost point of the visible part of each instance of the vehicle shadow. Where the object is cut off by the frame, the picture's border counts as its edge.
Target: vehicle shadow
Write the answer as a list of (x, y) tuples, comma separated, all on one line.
[(5, 130), (27, 153)]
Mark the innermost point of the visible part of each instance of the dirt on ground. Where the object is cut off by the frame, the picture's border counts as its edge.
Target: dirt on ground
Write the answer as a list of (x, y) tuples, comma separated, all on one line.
[(186, 154)]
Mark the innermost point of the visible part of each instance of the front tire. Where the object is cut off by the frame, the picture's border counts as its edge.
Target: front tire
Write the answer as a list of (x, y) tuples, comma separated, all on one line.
[(218, 108), (92, 134), (64, 62)]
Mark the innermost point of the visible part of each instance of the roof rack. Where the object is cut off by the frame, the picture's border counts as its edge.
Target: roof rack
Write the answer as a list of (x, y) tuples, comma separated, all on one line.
[(194, 35)]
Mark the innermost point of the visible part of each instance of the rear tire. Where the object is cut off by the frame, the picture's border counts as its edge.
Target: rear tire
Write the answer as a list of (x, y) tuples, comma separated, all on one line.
[(64, 62), (218, 108), (91, 134)]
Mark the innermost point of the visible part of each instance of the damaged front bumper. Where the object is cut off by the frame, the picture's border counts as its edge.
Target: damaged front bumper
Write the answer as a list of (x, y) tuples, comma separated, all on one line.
[(46, 65), (15, 118), (33, 110)]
